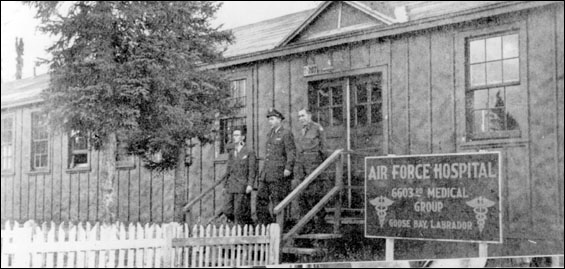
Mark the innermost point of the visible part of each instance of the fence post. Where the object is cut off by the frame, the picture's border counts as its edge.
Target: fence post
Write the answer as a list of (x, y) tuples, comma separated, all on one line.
[(274, 243)]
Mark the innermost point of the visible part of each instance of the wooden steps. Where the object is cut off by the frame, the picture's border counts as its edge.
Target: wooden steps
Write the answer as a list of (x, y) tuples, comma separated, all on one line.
[(304, 251), (318, 236), (345, 210), (346, 220)]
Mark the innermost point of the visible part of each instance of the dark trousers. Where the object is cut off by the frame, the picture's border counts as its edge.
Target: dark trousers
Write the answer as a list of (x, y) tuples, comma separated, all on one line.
[(273, 192), (238, 208), (305, 165)]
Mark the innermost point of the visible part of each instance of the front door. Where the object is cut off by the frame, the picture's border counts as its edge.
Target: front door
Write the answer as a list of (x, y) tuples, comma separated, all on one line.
[(329, 101)]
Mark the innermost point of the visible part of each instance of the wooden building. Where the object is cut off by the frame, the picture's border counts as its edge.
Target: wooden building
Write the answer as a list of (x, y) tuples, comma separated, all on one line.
[(383, 78)]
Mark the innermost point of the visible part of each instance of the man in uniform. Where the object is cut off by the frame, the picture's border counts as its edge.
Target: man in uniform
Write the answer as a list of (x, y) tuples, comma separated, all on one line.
[(311, 152), (241, 171), (274, 183)]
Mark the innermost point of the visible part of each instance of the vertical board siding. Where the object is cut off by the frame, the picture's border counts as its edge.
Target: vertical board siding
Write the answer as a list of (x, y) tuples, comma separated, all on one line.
[(517, 171), (169, 196), (541, 56), (208, 180), (93, 186), (282, 90), (220, 170), (379, 52), (157, 196), (145, 192), (57, 174), (442, 93), (265, 88), (122, 178), (419, 94), (195, 171), (23, 182), (399, 97), (84, 194), (31, 196), (299, 88), (360, 56), (65, 183), (559, 41)]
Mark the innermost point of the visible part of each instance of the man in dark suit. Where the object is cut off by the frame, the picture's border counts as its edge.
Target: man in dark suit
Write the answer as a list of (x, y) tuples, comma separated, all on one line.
[(274, 183), (241, 170)]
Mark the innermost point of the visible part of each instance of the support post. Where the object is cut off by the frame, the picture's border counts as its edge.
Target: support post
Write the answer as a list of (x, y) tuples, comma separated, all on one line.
[(389, 249), (483, 250)]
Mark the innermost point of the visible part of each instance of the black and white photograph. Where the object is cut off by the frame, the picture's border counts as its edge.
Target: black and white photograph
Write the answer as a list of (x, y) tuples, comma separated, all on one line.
[(282, 134)]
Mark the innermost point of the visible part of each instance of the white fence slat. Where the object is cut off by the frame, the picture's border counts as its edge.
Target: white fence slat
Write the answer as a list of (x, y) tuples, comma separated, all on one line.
[(61, 237), (207, 254), (71, 255), (112, 245), (131, 251), (81, 239), (92, 238), (194, 252), (122, 252), (37, 237), (49, 258)]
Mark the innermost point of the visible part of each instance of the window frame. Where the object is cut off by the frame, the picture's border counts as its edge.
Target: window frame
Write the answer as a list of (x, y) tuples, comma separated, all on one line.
[(12, 143), (72, 152), (32, 167), (463, 87), (242, 114)]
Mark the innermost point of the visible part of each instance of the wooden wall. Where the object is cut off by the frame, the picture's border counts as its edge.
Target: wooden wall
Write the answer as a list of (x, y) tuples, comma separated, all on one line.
[(424, 114)]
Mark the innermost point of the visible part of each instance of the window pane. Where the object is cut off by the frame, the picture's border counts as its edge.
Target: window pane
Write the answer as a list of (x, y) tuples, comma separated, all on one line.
[(337, 98), (511, 70), (361, 92), (494, 48), (497, 120), (324, 117), (43, 160), (324, 98), (494, 72), (477, 51), (80, 159), (510, 46), (496, 98), (480, 122), (480, 99), (376, 115), (516, 108), (337, 116), (376, 92), (477, 74), (361, 115)]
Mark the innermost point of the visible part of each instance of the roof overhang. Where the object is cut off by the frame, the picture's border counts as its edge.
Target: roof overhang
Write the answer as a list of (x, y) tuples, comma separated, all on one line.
[(359, 6), (379, 32)]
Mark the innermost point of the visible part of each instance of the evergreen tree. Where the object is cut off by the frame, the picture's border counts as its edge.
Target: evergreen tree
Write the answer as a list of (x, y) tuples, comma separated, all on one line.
[(133, 68)]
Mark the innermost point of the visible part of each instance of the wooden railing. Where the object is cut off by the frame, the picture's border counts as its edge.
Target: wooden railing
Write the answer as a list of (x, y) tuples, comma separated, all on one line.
[(192, 202), (339, 158)]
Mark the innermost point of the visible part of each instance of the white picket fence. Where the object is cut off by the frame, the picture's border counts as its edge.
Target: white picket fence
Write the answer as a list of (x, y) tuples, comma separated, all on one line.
[(167, 245)]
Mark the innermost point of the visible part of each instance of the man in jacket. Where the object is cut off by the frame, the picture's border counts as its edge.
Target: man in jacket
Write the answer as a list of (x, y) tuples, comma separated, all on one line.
[(311, 152), (274, 183), (241, 171)]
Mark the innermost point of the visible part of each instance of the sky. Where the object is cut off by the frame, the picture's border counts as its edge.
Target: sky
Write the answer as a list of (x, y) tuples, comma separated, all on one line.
[(18, 21)]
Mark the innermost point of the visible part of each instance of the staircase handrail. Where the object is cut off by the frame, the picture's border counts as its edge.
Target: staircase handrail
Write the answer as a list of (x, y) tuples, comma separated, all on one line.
[(187, 207), (302, 186)]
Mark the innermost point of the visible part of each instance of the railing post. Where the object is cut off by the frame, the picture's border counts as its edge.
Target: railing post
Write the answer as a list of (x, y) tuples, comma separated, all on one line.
[(280, 220), (338, 183)]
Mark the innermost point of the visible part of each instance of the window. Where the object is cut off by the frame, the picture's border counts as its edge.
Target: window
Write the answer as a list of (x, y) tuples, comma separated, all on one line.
[(78, 150), (123, 158), (7, 143), (368, 101), (326, 101), (495, 102), (237, 100), (39, 142)]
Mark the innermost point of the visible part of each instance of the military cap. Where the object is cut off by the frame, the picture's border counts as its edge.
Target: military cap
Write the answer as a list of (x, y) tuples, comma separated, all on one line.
[(274, 112)]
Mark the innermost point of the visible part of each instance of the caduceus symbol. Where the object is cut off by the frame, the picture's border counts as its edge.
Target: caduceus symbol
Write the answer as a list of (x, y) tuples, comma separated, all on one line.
[(480, 206), (381, 204)]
